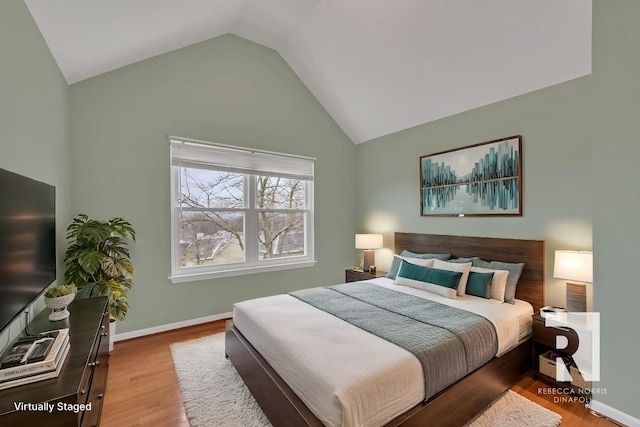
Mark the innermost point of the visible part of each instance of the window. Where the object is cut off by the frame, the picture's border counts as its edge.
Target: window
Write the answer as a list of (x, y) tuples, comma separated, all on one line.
[(238, 211)]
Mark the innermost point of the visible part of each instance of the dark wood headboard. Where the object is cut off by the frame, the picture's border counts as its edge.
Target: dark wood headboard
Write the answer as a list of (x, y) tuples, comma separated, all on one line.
[(531, 252)]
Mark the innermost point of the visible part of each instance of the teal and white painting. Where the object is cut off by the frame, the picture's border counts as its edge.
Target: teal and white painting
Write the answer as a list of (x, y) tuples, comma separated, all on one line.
[(481, 179)]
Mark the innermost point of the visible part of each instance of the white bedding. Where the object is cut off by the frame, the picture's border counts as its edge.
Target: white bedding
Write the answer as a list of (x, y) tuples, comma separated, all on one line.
[(346, 376), (512, 321)]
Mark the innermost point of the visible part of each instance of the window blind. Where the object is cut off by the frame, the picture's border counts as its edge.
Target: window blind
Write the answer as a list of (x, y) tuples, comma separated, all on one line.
[(205, 155)]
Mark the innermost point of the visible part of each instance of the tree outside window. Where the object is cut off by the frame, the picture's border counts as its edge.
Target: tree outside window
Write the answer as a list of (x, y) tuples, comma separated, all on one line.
[(226, 216)]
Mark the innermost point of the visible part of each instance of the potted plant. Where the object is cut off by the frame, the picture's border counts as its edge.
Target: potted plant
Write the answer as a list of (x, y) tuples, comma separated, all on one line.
[(57, 298), (97, 260)]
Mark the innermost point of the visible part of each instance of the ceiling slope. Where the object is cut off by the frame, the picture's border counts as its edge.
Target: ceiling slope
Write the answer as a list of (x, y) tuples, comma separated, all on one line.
[(377, 66)]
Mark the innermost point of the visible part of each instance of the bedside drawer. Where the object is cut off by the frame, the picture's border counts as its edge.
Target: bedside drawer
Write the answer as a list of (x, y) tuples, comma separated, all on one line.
[(352, 275), (547, 336)]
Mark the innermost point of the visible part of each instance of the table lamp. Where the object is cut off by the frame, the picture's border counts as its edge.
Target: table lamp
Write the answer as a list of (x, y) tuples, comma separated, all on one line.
[(576, 266), (368, 242)]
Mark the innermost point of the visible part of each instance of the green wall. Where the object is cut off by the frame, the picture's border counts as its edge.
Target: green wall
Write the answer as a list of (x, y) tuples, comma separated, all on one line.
[(556, 175), (615, 148), (580, 185), (33, 115), (226, 90)]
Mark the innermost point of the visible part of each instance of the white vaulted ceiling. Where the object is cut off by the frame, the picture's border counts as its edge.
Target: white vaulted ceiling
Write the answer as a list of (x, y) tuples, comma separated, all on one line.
[(377, 66)]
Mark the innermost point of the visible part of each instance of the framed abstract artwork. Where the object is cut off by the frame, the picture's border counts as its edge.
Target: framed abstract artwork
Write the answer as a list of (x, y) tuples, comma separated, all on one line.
[(479, 180)]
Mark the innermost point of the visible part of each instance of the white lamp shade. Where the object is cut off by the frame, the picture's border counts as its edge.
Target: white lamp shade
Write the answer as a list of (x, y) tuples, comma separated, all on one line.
[(368, 241), (574, 265)]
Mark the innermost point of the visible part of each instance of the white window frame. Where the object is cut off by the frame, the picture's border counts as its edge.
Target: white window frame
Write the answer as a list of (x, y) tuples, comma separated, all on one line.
[(252, 263)]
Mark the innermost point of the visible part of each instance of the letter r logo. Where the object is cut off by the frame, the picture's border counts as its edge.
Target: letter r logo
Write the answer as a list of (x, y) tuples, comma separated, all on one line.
[(586, 352)]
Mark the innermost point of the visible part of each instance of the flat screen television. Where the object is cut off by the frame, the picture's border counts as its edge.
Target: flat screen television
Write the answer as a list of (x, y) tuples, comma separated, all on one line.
[(27, 242)]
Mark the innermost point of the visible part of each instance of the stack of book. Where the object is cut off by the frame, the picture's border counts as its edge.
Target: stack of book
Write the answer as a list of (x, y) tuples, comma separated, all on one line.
[(34, 359)]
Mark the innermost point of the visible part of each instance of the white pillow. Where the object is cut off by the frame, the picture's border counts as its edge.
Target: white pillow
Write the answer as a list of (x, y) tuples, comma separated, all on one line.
[(464, 268), (498, 282)]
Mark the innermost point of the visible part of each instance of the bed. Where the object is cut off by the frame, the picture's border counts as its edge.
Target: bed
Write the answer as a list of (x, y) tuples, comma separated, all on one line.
[(455, 404)]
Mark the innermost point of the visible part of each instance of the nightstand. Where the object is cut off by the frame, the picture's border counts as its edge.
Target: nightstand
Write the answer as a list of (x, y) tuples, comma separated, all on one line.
[(544, 341), (352, 275)]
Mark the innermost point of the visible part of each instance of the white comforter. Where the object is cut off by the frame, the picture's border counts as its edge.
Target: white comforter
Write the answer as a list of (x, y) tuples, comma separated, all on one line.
[(346, 376)]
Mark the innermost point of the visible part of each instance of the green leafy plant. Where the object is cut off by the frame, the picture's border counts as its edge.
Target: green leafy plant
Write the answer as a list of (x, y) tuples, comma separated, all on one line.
[(97, 260), (60, 291)]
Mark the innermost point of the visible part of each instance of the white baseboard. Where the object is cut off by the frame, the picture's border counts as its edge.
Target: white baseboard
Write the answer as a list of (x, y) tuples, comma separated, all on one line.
[(170, 326), (613, 414)]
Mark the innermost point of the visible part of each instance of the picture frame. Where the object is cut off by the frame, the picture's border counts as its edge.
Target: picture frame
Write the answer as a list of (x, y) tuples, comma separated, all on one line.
[(483, 179)]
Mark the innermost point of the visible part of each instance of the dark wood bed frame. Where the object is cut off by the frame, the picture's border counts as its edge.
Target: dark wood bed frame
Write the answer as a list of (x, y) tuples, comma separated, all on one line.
[(455, 405)]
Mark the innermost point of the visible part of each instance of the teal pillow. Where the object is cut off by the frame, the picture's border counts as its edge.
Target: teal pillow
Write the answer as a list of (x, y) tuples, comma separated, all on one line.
[(445, 278), (514, 269), (395, 264), (479, 284), (479, 262), (409, 254), (440, 282), (463, 260), (393, 270)]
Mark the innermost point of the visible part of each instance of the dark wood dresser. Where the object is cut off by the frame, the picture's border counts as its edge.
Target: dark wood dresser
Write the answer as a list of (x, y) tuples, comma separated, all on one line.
[(82, 380)]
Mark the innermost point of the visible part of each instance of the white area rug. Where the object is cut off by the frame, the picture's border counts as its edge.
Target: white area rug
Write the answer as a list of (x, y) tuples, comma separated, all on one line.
[(511, 410), (215, 396), (212, 391)]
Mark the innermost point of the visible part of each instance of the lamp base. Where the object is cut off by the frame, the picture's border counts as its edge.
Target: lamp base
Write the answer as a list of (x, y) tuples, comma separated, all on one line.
[(576, 297), (369, 260)]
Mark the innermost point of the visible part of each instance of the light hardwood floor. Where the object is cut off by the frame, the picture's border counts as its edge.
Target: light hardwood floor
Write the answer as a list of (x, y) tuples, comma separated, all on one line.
[(142, 388)]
